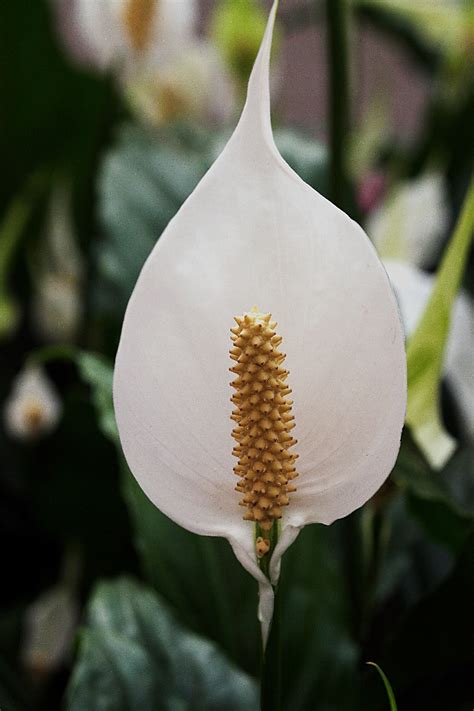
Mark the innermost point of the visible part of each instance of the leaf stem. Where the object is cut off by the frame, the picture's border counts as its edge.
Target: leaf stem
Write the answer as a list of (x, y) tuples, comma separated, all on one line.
[(337, 14), (270, 689), (388, 686)]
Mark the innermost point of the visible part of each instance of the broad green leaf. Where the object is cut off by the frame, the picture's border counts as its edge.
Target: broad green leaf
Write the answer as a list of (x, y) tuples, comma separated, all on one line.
[(199, 576), (135, 656), (430, 501), (144, 180), (321, 656), (425, 351), (98, 373), (388, 688), (429, 652)]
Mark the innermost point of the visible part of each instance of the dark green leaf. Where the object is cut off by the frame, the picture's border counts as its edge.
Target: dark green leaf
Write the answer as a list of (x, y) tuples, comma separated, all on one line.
[(98, 373), (200, 576), (320, 654), (429, 657), (430, 500), (134, 656)]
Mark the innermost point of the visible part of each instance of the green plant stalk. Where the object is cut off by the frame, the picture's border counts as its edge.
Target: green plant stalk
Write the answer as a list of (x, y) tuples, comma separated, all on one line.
[(270, 686), (270, 689), (337, 15)]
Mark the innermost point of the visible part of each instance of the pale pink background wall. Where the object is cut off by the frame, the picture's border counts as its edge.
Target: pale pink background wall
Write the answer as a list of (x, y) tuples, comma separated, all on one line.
[(380, 66)]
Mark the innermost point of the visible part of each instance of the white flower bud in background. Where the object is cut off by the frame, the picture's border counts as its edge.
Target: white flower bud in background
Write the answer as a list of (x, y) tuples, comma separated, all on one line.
[(33, 408), (411, 222), (151, 46), (57, 275), (50, 625), (196, 85)]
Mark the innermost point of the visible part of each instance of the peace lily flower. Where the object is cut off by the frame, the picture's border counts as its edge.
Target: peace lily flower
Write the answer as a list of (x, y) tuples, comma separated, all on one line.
[(253, 233), (33, 407)]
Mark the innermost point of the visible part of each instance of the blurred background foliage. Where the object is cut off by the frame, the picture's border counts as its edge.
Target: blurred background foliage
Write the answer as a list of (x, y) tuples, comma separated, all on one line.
[(107, 604)]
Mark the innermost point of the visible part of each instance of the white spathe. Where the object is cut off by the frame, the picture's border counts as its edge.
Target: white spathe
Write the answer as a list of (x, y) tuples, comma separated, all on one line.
[(253, 233)]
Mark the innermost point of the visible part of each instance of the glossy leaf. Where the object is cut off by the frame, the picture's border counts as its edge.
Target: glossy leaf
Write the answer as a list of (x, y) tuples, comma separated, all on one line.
[(429, 653), (134, 656), (198, 576), (430, 500)]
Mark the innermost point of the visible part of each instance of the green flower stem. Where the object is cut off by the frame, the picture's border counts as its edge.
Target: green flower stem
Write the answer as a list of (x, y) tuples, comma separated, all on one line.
[(270, 689), (337, 14), (270, 694)]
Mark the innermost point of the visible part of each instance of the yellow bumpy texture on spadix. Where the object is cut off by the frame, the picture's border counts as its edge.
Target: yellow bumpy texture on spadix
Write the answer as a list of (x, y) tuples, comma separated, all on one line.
[(264, 422)]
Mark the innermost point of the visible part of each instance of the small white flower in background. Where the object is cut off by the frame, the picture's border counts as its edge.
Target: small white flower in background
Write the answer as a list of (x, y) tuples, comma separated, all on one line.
[(151, 46), (33, 407), (196, 84), (122, 34), (413, 288), (58, 274), (411, 222), (49, 629)]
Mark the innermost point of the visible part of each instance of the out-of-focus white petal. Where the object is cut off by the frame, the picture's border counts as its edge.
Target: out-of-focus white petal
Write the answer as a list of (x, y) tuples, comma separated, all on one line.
[(118, 34), (413, 288), (57, 274), (410, 223), (50, 626), (196, 84), (33, 407), (253, 233)]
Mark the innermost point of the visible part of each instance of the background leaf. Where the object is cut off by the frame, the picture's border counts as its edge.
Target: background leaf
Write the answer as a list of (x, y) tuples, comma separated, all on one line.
[(136, 657)]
